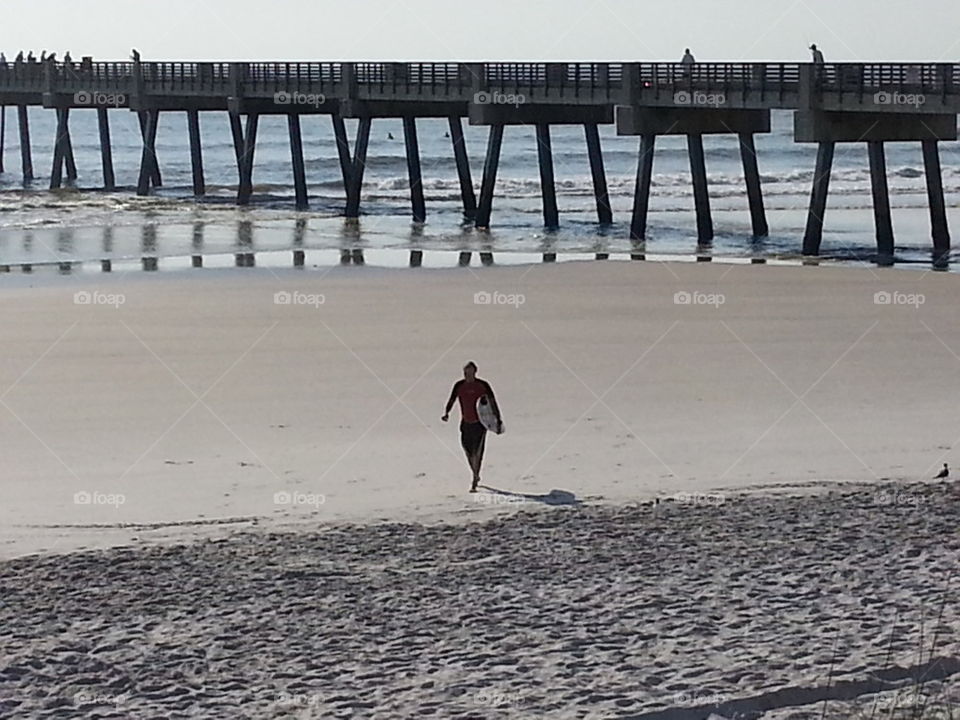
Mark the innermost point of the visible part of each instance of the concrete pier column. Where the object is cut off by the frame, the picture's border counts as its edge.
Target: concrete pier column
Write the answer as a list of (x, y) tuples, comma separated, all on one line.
[(68, 158), (106, 149), (751, 175), (881, 201), (296, 159), (26, 156), (196, 153), (143, 117), (463, 169), (938, 213), (818, 199), (343, 149), (359, 164), (701, 194), (3, 133), (246, 161), (551, 216), (604, 212), (413, 169), (59, 151), (148, 157), (236, 132), (490, 165), (641, 195)]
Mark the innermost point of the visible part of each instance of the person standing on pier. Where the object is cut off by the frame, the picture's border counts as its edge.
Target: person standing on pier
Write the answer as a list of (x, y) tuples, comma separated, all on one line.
[(135, 55), (687, 61), (472, 432), (817, 55)]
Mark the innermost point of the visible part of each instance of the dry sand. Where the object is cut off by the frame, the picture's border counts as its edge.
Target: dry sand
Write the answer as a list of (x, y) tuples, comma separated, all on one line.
[(200, 409), (837, 603)]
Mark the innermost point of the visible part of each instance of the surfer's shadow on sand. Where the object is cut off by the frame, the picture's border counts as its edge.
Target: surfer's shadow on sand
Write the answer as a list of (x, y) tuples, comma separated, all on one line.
[(554, 497)]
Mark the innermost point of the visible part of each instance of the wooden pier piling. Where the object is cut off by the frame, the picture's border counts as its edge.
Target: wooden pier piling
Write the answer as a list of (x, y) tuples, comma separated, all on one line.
[(296, 159), (548, 189), (597, 172), (881, 202), (106, 150), (490, 165), (412, 147), (196, 153), (813, 234), (467, 194)]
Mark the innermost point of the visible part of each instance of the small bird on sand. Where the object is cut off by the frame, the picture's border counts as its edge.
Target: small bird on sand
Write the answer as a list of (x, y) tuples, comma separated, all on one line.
[(389, 136), (942, 475)]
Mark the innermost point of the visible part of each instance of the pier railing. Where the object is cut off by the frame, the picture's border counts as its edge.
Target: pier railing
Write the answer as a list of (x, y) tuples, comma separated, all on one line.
[(748, 84)]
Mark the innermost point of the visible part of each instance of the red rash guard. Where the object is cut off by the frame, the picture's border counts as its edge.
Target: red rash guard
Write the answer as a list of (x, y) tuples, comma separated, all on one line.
[(468, 393)]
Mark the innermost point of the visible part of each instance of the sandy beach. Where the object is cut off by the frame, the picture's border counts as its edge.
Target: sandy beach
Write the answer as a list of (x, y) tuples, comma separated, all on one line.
[(230, 493), (832, 604)]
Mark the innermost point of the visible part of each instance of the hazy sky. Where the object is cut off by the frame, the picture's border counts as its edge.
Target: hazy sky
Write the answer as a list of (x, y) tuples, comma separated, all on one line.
[(847, 30)]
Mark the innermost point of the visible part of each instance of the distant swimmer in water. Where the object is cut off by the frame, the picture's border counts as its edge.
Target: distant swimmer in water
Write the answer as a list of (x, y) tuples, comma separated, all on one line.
[(943, 474), (469, 391)]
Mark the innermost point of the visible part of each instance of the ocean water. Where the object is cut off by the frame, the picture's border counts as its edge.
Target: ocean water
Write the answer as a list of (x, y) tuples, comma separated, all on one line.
[(83, 223)]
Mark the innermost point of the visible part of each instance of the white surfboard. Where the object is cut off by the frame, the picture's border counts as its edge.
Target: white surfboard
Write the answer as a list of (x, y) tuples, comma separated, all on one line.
[(488, 417)]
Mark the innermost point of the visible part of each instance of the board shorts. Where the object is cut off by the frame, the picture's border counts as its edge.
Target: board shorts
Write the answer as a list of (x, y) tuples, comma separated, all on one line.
[(471, 436)]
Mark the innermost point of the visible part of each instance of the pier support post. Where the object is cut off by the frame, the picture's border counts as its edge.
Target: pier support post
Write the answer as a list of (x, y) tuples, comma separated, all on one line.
[(296, 159), (343, 150), (413, 169), (641, 196), (938, 213), (490, 165), (26, 156), (68, 148), (701, 195), (551, 216), (355, 184), (881, 201), (813, 234), (59, 149), (236, 132), (751, 175), (604, 212), (106, 150), (246, 161), (144, 119), (463, 168), (3, 133), (196, 153), (148, 157)]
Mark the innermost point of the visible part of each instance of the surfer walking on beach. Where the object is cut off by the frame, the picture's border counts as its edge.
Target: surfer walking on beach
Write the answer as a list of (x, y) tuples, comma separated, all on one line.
[(470, 391)]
